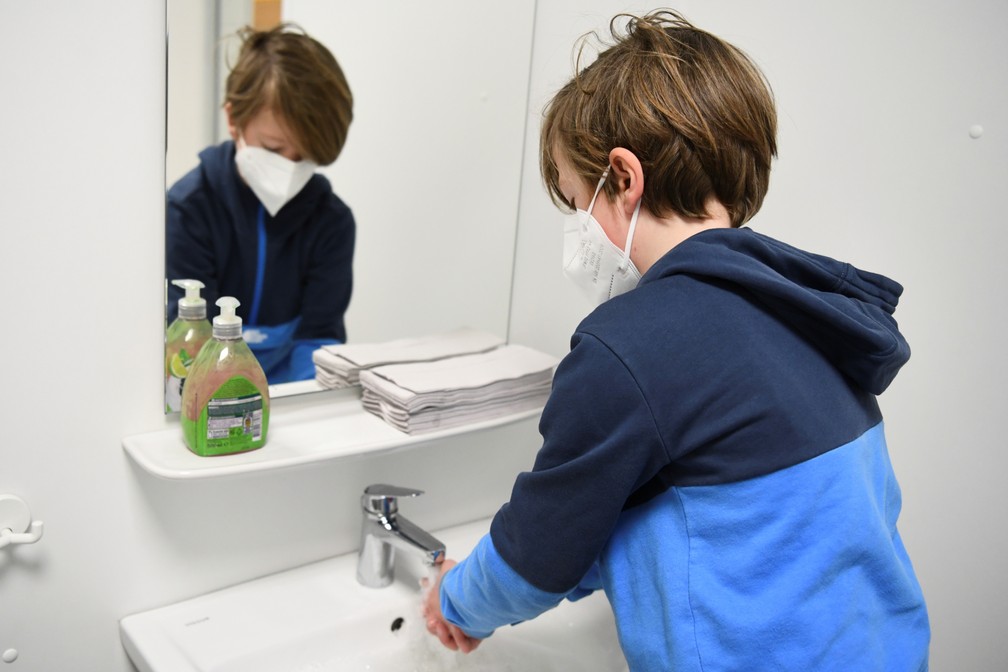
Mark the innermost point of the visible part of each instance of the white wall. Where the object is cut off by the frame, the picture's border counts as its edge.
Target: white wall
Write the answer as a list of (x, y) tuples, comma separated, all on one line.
[(192, 100), (876, 167), (82, 210)]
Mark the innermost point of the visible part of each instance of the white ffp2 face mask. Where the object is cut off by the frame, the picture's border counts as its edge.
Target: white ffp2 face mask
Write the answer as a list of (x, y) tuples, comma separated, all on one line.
[(597, 266), (274, 179)]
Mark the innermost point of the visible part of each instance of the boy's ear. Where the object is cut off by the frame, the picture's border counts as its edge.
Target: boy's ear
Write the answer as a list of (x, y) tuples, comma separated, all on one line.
[(629, 176)]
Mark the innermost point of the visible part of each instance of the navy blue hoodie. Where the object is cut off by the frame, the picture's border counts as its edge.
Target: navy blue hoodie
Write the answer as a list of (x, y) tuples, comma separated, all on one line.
[(714, 459), (305, 270)]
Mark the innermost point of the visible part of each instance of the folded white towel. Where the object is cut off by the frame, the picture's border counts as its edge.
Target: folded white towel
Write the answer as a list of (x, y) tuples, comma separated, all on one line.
[(465, 372), (338, 366), (457, 390), (432, 418)]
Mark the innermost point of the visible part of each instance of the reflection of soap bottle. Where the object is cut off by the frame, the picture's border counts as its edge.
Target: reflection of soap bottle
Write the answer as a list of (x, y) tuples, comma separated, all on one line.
[(183, 340), (225, 401)]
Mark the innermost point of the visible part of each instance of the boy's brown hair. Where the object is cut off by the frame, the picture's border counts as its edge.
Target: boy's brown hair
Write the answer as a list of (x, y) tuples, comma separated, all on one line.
[(296, 77), (694, 109)]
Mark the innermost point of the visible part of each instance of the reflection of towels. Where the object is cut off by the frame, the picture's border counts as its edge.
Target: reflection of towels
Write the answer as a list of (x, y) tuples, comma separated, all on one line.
[(339, 366), (424, 396)]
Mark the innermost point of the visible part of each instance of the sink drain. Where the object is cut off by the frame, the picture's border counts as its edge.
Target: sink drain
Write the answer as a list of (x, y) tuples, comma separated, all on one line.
[(397, 623)]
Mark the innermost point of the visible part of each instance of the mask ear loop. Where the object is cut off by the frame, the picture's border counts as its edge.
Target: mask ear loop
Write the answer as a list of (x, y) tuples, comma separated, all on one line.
[(601, 181), (629, 238)]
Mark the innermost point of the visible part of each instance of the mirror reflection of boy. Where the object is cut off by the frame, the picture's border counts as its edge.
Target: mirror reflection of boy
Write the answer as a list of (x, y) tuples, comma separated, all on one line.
[(713, 452), (255, 221)]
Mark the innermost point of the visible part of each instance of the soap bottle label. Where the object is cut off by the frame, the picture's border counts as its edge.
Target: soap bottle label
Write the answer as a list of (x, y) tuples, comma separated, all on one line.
[(235, 418), (233, 421)]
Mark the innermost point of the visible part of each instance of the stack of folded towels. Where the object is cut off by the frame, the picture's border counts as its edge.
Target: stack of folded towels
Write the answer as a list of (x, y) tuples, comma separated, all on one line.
[(338, 366), (440, 381)]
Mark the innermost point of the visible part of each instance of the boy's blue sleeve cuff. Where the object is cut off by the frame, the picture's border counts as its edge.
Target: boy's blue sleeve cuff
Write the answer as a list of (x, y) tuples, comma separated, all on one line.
[(482, 593)]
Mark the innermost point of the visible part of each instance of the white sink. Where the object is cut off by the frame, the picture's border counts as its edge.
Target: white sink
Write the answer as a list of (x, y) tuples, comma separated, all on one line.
[(317, 618)]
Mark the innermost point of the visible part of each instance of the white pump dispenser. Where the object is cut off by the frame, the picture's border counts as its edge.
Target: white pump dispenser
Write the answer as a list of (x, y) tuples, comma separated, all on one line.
[(184, 338), (227, 326), (192, 306)]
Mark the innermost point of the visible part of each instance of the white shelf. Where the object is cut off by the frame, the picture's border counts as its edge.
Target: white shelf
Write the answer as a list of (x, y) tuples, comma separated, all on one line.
[(329, 427)]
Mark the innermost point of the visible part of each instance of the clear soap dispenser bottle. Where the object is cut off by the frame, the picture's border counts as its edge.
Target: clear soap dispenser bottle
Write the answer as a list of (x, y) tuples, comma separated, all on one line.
[(185, 336), (225, 401)]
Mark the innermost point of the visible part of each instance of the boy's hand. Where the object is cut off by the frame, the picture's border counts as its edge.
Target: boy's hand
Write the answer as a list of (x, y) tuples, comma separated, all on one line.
[(450, 635)]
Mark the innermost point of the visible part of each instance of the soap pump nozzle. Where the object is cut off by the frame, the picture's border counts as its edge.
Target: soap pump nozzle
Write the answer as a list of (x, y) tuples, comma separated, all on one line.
[(192, 306), (227, 325)]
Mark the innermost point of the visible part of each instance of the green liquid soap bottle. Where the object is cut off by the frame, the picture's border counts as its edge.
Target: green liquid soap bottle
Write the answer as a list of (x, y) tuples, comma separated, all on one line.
[(225, 401), (185, 336)]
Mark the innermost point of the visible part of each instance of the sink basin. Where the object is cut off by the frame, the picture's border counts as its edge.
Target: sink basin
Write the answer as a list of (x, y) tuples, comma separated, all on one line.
[(317, 618)]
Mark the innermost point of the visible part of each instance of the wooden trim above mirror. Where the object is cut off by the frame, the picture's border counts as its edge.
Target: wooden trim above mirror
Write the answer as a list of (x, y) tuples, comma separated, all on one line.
[(266, 13)]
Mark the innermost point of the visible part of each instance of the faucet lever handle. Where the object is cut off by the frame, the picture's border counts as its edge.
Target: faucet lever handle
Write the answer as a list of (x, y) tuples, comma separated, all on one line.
[(380, 498)]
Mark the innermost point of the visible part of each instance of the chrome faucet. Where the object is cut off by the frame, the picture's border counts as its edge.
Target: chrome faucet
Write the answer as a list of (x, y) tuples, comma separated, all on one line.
[(383, 530)]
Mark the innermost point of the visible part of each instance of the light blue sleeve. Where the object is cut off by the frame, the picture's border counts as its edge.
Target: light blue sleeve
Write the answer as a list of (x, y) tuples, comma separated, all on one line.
[(482, 593), (301, 365)]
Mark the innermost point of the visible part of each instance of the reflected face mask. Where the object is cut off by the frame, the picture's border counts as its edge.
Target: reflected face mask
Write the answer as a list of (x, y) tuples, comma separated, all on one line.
[(274, 179), (597, 266)]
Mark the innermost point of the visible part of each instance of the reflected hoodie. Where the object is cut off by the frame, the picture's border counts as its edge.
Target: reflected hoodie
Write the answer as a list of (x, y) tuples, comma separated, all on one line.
[(714, 458), (292, 273)]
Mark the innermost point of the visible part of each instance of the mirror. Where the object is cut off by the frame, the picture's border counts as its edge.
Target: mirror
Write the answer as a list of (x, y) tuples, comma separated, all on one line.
[(432, 164)]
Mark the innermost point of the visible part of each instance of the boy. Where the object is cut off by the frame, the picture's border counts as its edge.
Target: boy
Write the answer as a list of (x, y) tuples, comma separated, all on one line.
[(255, 221), (713, 453)]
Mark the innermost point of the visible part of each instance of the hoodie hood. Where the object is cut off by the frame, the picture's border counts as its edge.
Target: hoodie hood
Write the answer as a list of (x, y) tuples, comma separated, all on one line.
[(846, 312)]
